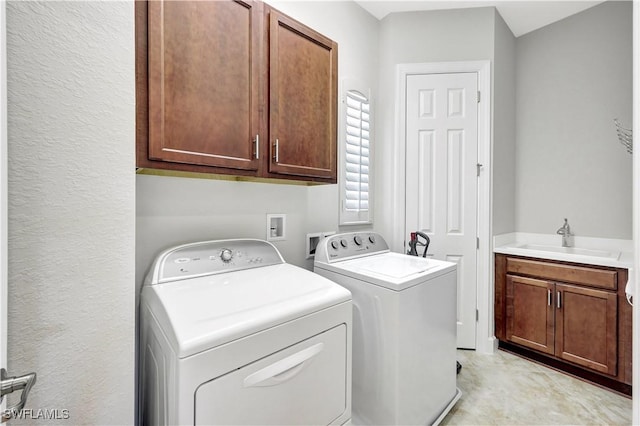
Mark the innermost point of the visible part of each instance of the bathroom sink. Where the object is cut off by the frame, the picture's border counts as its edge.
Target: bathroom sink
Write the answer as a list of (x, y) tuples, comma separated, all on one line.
[(572, 250)]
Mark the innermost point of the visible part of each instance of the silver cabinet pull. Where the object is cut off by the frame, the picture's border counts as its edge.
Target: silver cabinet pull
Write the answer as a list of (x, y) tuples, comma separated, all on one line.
[(12, 384), (276, 156), (559, 302), (257, 142), (549, 297)]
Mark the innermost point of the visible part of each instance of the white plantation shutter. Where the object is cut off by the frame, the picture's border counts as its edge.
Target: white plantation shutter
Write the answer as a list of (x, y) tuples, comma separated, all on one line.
[(356, 156)]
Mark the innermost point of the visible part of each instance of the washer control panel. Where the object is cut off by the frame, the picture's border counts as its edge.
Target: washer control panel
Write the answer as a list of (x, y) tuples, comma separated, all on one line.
[(212, 257), (354, 244)]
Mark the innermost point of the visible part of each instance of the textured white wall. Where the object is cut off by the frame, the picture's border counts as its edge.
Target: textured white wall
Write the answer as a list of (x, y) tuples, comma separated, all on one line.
[(573, 79), (504, 129), (71, 125)]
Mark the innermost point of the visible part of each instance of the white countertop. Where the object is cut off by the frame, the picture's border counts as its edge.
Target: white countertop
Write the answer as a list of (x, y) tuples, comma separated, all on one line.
[(592, 251)]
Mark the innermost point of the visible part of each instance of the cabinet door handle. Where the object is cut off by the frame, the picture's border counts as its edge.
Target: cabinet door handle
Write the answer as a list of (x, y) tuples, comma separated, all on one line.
[(257, 142), (549, 297), (276, 156), (559, 300)]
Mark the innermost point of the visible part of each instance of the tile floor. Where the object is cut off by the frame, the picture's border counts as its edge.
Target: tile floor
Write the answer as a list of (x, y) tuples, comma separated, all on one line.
[(503, 389)]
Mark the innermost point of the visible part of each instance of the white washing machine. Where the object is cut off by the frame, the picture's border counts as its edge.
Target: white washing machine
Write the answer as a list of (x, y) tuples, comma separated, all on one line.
[(231, 334), (404, 329)]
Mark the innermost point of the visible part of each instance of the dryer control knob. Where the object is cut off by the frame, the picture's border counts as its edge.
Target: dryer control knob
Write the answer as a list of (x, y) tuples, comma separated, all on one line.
[(372, 239), (357, 240), (343, 243), (334, 244), (226, 255)]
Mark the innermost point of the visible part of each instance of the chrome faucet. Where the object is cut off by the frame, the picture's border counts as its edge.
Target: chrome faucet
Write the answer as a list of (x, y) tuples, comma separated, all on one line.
[(565, 231)]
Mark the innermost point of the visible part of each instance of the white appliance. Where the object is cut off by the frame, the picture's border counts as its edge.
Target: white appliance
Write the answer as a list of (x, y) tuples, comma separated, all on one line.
[(404, 329), (231, 334)]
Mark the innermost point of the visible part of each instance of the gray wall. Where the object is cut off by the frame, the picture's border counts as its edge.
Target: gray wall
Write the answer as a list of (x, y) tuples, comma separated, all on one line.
[(504, 128), (573, 79), (418, 37), (71, 126)]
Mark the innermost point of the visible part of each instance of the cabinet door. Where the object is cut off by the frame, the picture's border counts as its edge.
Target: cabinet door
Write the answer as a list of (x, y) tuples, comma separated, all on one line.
[(586, 328), (303, 99), (530, 313), (204, 82)]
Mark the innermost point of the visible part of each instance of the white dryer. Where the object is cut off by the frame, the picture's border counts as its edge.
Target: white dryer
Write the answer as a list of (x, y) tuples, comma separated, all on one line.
[(404, 329), (231, 334)]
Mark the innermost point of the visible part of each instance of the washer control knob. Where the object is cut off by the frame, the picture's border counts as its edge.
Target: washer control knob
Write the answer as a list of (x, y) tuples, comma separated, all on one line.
[(372, 239), (334, 245), (357, 240), (226, 255), (343, 243)]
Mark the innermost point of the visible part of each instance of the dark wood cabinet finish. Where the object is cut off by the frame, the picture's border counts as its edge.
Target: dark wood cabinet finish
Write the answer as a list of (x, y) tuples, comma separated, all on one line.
[(586, 327), (530, 313), (303, 99), (574, 316), (565, 273), (204, 75)]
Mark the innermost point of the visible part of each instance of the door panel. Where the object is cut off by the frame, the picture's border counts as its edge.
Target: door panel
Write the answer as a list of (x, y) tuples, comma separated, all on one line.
[(530, 313), (441, 180), (586, 328), (196, 120), (302, 72)]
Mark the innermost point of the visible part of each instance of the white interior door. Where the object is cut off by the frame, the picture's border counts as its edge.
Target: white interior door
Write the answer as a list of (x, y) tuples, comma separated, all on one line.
[(441, 179)]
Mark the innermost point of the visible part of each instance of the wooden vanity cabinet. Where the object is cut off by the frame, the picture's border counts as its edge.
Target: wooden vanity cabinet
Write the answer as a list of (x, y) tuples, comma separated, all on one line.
[(572, 316), (234, 87)]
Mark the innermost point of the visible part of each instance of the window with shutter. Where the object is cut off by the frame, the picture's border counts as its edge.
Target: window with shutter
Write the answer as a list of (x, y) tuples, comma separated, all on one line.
[(356, 154)]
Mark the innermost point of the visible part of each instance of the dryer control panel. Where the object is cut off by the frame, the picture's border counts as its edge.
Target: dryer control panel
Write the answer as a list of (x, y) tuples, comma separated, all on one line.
[(350, 245), (212, 257)]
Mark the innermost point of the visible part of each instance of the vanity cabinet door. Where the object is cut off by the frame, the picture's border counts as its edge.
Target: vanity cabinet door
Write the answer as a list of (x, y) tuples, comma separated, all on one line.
[(530, 313), (586, 327)]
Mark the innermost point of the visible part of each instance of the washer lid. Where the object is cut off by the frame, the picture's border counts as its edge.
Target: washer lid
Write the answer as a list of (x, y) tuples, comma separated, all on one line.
[(205, 312), (394, 271)]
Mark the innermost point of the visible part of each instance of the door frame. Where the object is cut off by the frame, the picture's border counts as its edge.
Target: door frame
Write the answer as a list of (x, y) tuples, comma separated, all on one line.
[(485, 336)]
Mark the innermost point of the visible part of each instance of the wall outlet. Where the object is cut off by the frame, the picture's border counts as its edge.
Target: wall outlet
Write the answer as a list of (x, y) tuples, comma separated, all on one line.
[(276, 227)]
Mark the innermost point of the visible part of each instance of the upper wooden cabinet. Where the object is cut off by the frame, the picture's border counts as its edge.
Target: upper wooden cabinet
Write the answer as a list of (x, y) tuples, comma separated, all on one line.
[(302, 88), (234, 87), (204, 80)]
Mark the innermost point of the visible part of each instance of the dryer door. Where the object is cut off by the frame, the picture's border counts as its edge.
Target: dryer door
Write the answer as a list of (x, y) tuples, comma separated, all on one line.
[(302, 384)]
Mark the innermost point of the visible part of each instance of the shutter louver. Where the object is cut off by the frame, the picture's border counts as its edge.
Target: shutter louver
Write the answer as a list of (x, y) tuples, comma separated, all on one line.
[(357, 153)]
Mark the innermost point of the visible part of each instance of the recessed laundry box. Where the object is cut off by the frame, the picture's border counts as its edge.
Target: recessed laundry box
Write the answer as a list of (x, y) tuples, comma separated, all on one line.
[(231, 334)]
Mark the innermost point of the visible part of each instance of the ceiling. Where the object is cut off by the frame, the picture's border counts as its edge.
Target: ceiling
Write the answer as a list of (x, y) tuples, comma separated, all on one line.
[(522, 16)]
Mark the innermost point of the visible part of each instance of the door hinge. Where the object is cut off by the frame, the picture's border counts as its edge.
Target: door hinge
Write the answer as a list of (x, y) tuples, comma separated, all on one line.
[(477, 315), (477, 242), (478, 167), (478, 96)]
